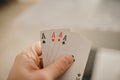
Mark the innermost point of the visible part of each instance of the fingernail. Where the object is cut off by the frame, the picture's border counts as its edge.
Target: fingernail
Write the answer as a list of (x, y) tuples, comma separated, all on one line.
[(69, 59), (73, 56), (73, 60)]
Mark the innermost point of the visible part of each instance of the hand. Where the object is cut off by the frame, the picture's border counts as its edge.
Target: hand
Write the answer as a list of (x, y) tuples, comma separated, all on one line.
[(28, 65)]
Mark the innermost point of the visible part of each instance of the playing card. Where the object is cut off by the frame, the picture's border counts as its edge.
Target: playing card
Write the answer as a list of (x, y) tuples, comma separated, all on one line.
[(49, 40), (57, 42), (54, 46), (79, 47), (44, 38)]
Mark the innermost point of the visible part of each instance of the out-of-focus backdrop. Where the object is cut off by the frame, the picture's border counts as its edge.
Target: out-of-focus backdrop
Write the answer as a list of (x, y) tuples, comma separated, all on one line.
[(99, 20)]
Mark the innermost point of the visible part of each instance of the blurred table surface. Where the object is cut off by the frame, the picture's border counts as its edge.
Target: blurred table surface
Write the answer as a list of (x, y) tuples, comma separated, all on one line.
[(106, 66), (20, 24)]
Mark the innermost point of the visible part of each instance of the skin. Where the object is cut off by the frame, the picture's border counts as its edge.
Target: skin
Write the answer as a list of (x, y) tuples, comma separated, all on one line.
[(28, 65)]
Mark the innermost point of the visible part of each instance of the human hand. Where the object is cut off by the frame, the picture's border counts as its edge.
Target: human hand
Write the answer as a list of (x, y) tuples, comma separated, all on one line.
[(28, 65)]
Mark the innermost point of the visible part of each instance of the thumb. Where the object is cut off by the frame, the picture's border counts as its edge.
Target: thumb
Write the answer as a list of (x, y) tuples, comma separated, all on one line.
[(59, 66)]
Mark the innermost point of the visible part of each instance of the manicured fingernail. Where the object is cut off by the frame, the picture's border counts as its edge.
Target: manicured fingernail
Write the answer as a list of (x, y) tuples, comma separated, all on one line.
[(69, 59), (73, 56), (73, 60)]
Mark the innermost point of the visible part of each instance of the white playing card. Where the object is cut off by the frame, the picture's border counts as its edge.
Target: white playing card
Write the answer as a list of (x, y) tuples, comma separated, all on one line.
[(45, 44), (79, 47), (49, 40), (54, 46), (57, 42)]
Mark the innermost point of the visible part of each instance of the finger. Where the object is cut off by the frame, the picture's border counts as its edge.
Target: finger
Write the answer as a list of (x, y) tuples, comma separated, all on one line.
[(34, 49), (36, 52), (37, 48), (59, 66), (33, 52)]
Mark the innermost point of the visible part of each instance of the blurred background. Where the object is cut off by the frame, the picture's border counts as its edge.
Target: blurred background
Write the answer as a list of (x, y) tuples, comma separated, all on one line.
[(98, 20)]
